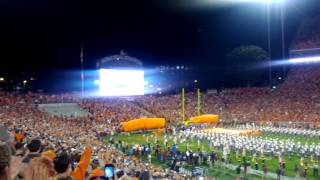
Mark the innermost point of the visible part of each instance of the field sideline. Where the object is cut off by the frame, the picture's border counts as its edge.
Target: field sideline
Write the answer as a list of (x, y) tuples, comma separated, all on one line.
[(271, 161)]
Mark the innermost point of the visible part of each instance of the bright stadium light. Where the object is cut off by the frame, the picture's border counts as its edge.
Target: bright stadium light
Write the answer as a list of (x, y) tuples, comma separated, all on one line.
[(96, 82), (223, 3), (1, 79), (121, 82), (305, 60), (238, 1), (262, 1), (269, 1)]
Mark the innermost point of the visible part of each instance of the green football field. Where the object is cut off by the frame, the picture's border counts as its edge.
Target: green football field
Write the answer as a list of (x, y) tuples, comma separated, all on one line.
[(271, 161)]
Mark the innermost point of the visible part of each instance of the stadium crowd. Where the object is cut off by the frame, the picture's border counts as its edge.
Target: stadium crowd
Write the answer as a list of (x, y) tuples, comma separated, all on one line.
[(38, 145), (113, 110), (58, 141), (307, 36), (296, 100)]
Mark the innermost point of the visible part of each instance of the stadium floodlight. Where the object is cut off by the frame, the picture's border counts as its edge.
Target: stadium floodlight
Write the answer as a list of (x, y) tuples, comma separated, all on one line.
[(24, 81), (1, 79), (272, 1), (115, 82), (245, 1), (96, 82), (265, 1), (232, 2), (305, 60)]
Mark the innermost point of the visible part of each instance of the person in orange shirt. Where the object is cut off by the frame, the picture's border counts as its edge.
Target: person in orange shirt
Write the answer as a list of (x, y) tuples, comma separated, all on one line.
[(63, 166), (18, 136), (96, 173), (136, 176)]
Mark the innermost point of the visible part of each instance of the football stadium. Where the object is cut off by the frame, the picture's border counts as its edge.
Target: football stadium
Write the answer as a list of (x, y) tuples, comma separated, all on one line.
[(177, 110)]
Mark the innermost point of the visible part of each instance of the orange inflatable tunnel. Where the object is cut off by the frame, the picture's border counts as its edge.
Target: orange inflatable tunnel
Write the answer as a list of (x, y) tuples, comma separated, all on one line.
[(143, 124), (207, 118)]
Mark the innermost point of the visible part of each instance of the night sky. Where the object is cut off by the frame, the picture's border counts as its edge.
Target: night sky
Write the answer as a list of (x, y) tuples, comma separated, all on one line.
[(42, 35)]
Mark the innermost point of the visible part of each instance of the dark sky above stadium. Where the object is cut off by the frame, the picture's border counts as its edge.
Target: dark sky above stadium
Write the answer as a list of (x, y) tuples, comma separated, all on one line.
[(46, 35)]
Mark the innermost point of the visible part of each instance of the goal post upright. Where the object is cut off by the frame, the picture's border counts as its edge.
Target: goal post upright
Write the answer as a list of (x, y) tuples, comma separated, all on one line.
[(199, 102)]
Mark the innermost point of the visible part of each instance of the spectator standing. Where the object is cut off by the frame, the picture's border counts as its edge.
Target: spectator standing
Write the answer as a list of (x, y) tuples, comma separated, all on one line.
[(5, 158)]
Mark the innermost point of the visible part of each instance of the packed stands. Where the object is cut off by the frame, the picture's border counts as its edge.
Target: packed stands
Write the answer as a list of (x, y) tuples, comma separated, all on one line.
[(308, 35), (61, 137)]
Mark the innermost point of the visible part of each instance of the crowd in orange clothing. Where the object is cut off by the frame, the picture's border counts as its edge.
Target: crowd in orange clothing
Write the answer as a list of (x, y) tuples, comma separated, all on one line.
[(313, 42), (114, 109), (307, 36), (297, 99), (67, 135)]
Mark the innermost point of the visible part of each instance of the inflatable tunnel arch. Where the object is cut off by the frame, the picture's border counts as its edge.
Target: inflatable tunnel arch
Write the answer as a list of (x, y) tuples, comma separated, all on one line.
[(143, 124), (207, 118)]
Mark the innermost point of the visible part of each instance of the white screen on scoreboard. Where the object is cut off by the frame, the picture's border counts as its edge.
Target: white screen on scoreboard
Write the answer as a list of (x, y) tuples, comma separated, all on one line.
[(121, 82)]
